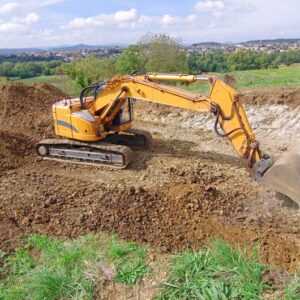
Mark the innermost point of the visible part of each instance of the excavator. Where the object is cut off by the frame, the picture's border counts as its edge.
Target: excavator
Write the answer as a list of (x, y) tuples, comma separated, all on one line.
[(96, 128)]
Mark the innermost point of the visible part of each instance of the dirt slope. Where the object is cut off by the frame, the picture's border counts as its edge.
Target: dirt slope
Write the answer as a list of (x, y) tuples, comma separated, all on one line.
[(25, 118), (188, 188)]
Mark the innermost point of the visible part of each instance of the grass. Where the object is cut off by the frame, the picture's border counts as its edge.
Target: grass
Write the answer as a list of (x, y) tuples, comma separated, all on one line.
[(62, 82), (47, 268), (257, 78), (129, 260), (218, 273), (244, 79)]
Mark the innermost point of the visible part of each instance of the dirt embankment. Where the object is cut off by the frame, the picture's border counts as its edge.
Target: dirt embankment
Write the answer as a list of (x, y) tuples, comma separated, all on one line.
[(269, 96), (182, 192), (25, 117)]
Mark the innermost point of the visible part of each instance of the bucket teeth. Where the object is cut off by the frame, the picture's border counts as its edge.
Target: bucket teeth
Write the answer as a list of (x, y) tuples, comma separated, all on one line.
[(284, 176)]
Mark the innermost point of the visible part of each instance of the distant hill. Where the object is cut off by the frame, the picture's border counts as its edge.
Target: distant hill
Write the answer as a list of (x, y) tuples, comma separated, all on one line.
[(14, 51), (258, 42), (207, 44), (80, 47), (276, 41)]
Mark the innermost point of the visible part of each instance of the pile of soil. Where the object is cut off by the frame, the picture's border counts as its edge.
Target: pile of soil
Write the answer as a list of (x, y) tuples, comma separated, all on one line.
[(27, 109), (25, 118), (14, 149), (289, 95)]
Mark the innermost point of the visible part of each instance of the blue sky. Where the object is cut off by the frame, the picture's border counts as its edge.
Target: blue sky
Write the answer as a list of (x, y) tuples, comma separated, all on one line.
[(32, 23)]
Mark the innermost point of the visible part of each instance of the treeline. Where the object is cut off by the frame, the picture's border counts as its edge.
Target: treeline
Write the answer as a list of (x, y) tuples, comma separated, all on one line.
[(218, 61), (29, 69), (162, 53), (27, 58)]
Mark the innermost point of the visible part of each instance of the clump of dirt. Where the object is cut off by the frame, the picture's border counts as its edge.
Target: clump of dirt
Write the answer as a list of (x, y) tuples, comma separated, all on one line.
[(14, 148), (27, 109)]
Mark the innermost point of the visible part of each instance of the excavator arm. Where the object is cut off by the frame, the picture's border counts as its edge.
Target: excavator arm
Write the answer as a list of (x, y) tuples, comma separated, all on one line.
[(224, 103)]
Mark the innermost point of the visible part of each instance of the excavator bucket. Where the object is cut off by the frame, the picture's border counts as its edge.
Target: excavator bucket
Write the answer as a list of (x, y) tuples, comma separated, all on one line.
[(284, 175)]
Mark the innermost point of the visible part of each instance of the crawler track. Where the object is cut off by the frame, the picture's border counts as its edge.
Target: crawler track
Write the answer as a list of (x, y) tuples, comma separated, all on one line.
[(98, 153)]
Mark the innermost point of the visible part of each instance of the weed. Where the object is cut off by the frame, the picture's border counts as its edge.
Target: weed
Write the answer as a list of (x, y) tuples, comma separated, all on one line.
[(245, 271), (67, 270), (219, 273), (20, 263), (129, 259), (292, 292)]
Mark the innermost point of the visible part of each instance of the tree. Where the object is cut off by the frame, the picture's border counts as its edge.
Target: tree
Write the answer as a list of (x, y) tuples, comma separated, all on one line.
[(163, 53), (130, 61), (90, 70)]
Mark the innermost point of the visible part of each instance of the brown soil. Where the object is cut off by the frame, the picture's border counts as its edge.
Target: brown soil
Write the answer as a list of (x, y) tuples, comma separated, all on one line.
[(289, 95), (27, 109), (25, 118), (184, 191)]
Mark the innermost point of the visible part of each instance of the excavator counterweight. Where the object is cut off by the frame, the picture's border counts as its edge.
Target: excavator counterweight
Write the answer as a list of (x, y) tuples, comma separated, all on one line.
[(98, 129)]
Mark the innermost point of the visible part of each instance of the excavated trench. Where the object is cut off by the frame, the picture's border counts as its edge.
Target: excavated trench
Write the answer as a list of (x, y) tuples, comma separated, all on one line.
[(186, 190)]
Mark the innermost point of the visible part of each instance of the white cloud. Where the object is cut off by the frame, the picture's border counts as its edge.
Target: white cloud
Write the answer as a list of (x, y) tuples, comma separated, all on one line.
[(125, 15), (129, 19), (192, 18), (209, 5), (25, 5), (6, 27), (46, 2), (31, 18), (9, 8), (169, 20), (119, 19), (19, 23)]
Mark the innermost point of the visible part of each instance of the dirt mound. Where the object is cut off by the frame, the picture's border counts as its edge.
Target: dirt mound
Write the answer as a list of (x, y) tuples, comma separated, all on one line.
[(289, 95), (27, 109), (203, 202), (25, 118), (14, 148)]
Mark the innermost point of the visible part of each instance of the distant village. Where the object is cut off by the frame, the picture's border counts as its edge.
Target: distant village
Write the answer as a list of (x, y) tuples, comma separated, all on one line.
[(268, 46), (73, 53)]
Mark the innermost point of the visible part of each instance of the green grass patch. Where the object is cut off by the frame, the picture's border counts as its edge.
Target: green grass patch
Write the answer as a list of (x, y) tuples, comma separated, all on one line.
[(62, 82), (292, 292), (47, 268), (218, 273), (129, 260), (282, 76)]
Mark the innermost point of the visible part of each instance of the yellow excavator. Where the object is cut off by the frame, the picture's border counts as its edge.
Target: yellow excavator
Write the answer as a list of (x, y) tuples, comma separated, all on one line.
[(96, 128)]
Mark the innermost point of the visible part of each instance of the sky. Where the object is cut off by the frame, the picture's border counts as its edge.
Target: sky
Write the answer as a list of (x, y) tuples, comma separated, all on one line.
[(42, 23)]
